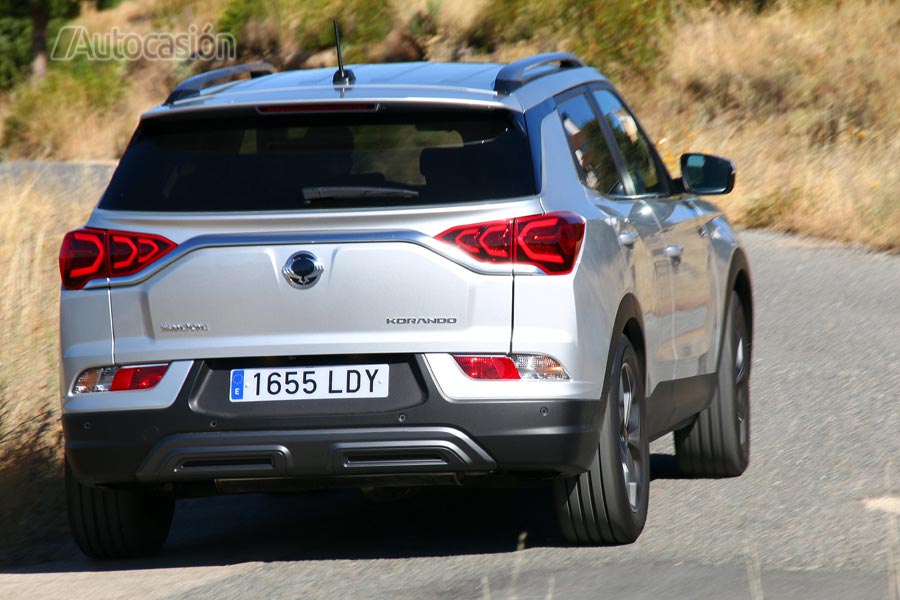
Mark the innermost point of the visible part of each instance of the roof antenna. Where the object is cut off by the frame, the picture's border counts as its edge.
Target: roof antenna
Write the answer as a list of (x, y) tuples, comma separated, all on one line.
[(342, 76)]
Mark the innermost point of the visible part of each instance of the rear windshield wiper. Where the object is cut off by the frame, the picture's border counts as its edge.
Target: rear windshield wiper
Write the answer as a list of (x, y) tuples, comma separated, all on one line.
[(355, 193)]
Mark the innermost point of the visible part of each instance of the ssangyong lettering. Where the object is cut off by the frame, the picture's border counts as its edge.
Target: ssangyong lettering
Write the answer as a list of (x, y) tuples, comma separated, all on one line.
[(181, 327)]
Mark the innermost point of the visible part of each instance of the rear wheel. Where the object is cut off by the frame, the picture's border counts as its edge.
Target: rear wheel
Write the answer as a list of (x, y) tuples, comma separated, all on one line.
[(118, 523), (717, 443), (607, 504)]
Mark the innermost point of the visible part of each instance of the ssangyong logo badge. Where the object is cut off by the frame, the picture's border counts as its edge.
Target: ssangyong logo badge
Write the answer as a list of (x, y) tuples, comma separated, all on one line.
[(302, 270)]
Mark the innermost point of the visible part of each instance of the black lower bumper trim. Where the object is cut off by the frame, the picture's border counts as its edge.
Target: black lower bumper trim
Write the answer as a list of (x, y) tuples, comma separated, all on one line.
[(300, 453)]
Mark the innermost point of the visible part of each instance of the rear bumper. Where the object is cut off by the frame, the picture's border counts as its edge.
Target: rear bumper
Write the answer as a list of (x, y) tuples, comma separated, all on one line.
[(197, 438)]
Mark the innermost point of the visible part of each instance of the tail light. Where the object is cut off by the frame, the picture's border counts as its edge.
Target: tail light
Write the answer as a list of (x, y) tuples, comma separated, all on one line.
[(117, 379), (550, 242), (488, 367), (88, 254), (514, 366)]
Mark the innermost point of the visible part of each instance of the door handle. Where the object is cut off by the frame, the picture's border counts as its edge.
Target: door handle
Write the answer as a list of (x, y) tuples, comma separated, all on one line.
[(674, 251), (628, 239)]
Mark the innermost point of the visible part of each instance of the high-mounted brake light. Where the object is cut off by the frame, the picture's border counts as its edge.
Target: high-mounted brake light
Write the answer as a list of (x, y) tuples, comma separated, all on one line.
[(550, 242), (99, 253), (321, 107)]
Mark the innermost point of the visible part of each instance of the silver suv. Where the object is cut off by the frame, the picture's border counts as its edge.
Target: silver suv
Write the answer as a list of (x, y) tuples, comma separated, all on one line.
[(414, 274)]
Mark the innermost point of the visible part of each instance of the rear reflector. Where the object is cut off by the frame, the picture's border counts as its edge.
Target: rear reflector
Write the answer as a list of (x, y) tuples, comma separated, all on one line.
[(514, 366), (138, 378), (488, 367), (117, 379), (550, 242), (89, 253)]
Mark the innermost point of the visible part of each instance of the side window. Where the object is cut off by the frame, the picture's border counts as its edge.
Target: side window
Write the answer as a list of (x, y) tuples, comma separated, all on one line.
[(592, 155), (634, 147)]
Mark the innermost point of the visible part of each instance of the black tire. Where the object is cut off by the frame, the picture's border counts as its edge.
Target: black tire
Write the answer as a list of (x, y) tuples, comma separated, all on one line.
[(717, 443), (595, 508), (112, 523)]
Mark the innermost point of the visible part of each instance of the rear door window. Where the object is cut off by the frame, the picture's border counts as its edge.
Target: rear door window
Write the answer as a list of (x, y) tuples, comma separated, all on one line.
[(593, 158), (322, 161), (634, 147)]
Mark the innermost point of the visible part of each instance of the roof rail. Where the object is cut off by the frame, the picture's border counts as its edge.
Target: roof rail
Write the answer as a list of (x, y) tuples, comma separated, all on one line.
[(516, 74), (192, 85)]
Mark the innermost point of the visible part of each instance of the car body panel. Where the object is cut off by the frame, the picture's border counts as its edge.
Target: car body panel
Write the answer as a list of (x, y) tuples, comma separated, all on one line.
[(694, 311), (85, 334)]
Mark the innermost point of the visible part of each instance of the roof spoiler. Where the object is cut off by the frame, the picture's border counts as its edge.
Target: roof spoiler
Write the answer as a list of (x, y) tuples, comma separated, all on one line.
[(518, 73), (191, 87)]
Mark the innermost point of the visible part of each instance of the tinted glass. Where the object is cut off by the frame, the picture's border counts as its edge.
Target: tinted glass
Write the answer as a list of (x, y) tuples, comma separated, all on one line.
[(705, 174), (634, 147), (592, 155), (281, 162)]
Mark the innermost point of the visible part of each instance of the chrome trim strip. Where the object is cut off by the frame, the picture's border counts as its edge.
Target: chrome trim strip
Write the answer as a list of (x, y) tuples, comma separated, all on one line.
[(312, 238)]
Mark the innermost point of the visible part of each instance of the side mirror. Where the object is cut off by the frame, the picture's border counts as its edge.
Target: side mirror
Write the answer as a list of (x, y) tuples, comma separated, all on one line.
[(707, 175)]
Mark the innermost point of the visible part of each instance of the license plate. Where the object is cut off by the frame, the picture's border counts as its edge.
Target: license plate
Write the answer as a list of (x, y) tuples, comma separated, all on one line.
[(309, 383)]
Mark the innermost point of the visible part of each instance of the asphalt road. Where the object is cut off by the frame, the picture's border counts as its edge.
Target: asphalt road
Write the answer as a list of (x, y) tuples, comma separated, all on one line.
[(64, 175), (815, 516)]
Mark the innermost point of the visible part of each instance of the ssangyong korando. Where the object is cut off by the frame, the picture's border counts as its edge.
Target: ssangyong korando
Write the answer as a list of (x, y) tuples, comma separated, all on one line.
[(400, 275)]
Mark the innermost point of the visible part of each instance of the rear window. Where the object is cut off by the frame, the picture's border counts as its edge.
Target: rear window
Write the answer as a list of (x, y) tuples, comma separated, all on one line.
[(321, 161)]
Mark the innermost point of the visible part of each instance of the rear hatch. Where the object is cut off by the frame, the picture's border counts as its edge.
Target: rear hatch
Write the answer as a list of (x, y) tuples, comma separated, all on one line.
[(360, 195)]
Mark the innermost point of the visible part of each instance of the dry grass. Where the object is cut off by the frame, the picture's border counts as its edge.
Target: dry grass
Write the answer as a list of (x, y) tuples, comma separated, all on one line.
[(807, 103), (32, 221)]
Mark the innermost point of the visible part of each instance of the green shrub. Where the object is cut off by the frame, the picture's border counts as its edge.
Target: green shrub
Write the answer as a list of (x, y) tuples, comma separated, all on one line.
[(15, 50), (620, 37), (425, 23), (238, 13), (363, 24), (15, 47), (503, 22), (33, 128), (771, 210)]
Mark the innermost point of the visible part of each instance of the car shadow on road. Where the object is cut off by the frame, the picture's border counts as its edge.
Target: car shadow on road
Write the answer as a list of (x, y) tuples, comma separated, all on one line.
[(662, 466), (345, 525)]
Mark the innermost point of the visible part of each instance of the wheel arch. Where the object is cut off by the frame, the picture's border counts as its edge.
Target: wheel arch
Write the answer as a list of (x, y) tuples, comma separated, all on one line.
[(739, 281), (630, 322)]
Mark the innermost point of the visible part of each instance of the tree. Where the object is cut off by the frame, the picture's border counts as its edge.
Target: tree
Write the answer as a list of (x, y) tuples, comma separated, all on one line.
[(39, 13)]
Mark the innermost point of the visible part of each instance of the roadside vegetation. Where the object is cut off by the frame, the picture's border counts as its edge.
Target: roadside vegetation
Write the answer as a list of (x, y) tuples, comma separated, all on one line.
[(33, 218), (804, 95)]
